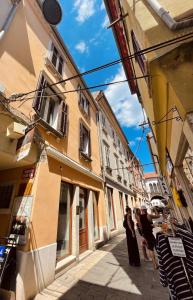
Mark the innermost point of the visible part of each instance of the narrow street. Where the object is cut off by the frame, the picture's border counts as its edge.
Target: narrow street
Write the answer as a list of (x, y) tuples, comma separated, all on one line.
[(105, 274)]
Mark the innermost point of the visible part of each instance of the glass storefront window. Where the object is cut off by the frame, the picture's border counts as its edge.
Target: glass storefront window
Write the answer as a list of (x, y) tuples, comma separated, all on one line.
[(95, 216), (110, 208), (64, 221)]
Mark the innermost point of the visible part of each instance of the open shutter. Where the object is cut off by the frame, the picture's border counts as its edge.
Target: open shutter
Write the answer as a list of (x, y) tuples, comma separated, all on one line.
[(81, 137), (89, 144), (63, 118), (38, 97)]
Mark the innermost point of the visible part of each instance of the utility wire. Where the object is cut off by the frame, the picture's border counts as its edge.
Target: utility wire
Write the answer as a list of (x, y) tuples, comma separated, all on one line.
[(112, 63), (80, 89)]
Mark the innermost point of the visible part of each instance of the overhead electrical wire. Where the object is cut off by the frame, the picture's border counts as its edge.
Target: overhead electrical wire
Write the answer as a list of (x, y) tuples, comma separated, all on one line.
[(81, 89), (110, 64)]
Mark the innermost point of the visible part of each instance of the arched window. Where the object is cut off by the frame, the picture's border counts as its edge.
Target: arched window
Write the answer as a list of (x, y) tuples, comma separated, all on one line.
[(155, 187), (151, 187)]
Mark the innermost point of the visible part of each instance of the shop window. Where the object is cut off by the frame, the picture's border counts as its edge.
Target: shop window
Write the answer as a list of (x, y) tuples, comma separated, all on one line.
[(64, 221), (6, 193), (121, 203), (85, 143), (111, 208), (57, 60), (52, 110), (95, 216)]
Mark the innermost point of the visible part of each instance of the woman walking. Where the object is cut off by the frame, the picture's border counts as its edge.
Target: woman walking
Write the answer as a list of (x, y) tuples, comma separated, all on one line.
[(133, 251), (139, 228)]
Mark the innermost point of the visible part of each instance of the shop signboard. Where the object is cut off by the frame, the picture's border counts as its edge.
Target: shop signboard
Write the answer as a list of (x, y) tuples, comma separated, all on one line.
[(24, 145), (177, 246), (28, 173), (21, 219)]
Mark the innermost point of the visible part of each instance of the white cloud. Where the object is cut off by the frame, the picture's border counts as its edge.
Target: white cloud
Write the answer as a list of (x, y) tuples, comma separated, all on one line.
[(131, 143), (81, 47), (102, 7), (85, 9), (105, 22), (125, 106)]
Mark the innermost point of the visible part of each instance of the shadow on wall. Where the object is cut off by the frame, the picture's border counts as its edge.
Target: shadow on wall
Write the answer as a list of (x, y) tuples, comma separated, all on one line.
[(16, 41)]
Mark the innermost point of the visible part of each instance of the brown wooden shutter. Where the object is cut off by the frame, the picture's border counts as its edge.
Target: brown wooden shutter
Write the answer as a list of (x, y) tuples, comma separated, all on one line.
[(62, 118), (89, 145), (38, 97), (81, 137)]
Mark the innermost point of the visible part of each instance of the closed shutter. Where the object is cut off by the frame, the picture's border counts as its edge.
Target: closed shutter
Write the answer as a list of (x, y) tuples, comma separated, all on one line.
[(81, 137), (63, 118), (38, 97)]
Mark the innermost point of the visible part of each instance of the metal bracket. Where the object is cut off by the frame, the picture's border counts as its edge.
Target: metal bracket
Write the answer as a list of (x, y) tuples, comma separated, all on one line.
[(162, 120)]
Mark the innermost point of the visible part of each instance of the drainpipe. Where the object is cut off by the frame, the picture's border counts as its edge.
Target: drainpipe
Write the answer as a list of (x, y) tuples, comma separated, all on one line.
[(167, 18), (9, 19)]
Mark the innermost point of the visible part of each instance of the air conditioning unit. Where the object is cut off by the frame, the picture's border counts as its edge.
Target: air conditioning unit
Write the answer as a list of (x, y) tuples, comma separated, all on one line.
[(15, 130)]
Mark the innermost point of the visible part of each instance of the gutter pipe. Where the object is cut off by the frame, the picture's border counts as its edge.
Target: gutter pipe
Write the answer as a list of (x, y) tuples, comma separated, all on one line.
[(9, 19), (167, 18)]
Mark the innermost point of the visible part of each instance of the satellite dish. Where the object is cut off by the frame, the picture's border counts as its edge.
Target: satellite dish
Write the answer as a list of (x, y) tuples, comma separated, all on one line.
[(52, 11)]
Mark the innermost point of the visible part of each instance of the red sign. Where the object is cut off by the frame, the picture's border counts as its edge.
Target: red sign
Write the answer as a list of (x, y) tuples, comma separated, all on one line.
[(28, 173)]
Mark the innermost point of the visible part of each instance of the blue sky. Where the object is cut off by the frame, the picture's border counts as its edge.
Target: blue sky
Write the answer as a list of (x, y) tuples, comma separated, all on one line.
[(83, 29)]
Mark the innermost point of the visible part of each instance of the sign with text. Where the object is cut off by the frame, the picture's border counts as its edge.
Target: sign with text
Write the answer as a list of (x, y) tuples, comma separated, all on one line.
[(28, 173), (177, 247), (24, 145)]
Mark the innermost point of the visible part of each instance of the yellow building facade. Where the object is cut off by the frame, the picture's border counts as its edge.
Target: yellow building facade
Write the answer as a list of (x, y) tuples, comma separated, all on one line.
[(51, 186), (161, 75)]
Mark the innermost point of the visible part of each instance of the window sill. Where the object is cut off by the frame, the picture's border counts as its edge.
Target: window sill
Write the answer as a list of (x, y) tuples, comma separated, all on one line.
[(50, 128), (85, 156), (52, 68)]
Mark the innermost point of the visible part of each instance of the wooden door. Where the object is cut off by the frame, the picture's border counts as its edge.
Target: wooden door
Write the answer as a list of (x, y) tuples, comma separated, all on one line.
[(83, 220)]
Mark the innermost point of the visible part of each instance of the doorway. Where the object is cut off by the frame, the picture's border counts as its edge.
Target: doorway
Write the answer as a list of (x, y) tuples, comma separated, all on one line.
[(83, 220)]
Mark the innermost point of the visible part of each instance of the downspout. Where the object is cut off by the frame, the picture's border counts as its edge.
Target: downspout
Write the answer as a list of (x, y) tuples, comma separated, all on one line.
[(167, 18), (9, 19)]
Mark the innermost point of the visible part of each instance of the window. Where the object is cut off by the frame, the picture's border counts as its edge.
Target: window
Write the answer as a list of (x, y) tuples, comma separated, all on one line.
[(140, 58), (103, 121), (155, 187), (122, 168), (117, 164), (111, 208), (57, 60), (95, 216), (51, 108), (64, 221), (126, 200), (85, 147), (84, 103), (151, 187), (121, 203), (107, 151), (6, 192), (119, 143)]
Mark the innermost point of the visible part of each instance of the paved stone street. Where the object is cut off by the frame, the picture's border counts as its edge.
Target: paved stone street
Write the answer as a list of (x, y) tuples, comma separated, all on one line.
[(105, 274)]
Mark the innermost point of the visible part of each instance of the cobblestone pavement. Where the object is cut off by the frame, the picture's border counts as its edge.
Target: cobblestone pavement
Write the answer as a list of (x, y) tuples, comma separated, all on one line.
[(106, 275)]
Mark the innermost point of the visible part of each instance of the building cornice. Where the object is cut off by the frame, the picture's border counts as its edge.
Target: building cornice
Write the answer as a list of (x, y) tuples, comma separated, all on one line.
[(54, 153)]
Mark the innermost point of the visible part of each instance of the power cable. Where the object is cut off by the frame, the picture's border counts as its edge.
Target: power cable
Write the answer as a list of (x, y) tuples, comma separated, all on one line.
[(80, 89), (112, 63)]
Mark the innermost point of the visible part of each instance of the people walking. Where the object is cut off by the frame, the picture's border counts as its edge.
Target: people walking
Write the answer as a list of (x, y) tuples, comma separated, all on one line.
[(147, 232), (133, 251), (139, 228)]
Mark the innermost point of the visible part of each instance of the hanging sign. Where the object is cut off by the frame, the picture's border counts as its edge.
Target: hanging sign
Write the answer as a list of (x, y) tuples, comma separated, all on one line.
[(177, 247), (28, 173), (24, 145)]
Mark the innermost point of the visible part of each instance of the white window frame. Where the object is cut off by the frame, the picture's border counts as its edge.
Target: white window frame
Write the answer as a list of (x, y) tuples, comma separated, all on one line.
[(58, 57)]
